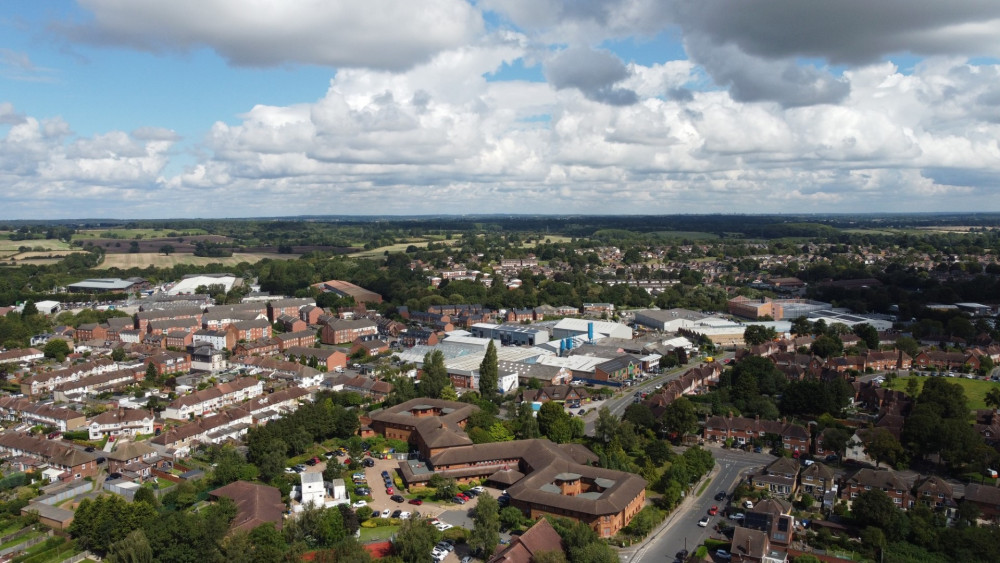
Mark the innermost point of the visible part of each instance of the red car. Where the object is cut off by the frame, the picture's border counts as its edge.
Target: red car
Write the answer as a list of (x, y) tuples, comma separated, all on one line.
[(464, 496), (416, 501), (388, 490), (714, 510)]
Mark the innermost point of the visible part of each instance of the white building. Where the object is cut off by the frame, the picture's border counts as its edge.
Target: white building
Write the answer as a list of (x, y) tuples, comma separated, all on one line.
[(569, 328), (313, 489)]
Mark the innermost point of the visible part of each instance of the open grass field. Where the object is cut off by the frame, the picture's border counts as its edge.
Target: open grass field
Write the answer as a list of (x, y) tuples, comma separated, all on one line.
[(7, 245), (399, 247), (975, 389), (145, 259), (130, 234)]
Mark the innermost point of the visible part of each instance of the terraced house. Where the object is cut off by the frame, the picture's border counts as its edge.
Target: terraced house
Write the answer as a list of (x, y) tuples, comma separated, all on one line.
[(28, 453), (121, 422), (214, 398), (743, 430), (33, 413)]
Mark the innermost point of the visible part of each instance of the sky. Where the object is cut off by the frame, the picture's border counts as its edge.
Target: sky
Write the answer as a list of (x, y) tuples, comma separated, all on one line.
[(135, 109)]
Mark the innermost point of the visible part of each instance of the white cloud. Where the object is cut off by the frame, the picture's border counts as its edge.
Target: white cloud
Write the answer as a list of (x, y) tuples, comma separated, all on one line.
[(375, 33)]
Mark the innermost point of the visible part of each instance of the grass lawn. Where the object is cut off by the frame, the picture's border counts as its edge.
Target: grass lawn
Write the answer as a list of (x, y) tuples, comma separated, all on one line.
[(377, 534), (975, 389), (130, 234), (22, 539)]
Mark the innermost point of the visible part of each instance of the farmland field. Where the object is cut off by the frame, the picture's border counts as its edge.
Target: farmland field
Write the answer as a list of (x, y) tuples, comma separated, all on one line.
[(693, 235), (7, 245), (400, 247), (130, 234), (145, 259)]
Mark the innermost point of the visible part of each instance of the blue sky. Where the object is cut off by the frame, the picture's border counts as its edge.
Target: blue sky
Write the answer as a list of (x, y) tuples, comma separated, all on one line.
[(116, 108)]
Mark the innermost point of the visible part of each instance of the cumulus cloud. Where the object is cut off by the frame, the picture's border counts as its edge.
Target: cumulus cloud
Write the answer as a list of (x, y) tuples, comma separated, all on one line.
[(375, 34), (594, 73)]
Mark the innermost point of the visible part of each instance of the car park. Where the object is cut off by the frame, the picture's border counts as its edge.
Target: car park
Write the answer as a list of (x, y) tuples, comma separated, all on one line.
[(704, 521), (470, 493)]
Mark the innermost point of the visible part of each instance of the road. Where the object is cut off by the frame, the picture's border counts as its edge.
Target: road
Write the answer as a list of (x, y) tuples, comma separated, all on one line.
[(620, 402), (682, 526)]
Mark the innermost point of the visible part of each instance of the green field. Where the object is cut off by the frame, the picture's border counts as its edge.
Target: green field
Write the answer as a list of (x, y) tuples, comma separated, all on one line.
[(146, 259), (975, 389), (401, 247), (693, 235), (7, 245), (130, 234)]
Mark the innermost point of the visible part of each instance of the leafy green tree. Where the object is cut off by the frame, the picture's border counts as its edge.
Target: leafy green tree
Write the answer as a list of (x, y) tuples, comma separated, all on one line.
[(415, 540), (499, 432), (119, 354), (755, 335), (875, 508), (606, 425), (639, 415), (511, 518), (108, 519), (133, 548), (489, 376), (167, 249), (883, 447), (827, 346), (448, 393), (486, 524), (868, 334), (992, 398), (146, 495), (435, 375), (57, 348), (680, 416), (525, 425), (151, 372)]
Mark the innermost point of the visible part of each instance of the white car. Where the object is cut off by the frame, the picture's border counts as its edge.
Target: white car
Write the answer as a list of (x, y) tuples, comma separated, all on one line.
[(477, 489), (359, 504), (404, 515), (386, 513), (442, 526)]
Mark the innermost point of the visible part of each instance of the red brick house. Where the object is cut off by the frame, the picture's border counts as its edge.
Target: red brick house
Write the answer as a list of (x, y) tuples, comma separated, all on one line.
[(252, 330), (329, 359), (744, 430), (370, 346), (291, 324), (310, 314), (887, 480), (944, 360), (339, 331), (91, 331), (170, 362), (259, 347), (305, 338)]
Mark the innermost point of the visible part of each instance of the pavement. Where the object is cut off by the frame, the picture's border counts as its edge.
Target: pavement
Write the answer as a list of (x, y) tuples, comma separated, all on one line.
[(680, 530)]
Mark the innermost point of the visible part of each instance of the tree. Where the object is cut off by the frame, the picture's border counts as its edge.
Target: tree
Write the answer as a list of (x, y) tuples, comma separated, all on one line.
[(680, 416), (415, 540), (486, 524), (489, 373), (801, 326), (755, 335), (868, 334), (57, 348), (435, 375), (993, 398), (151, 372), (606, 425), (827, 346), (133, 548), (874, 508), (639, 415), (511, 518), (167, 249), (448, 393), (119, 354)]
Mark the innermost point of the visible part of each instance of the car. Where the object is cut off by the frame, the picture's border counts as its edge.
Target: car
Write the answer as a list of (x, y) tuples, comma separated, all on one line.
[(757, 449), (831, 458), (748, 504), (115, 476), (290, 470), (442, 526), (359, 504), (388, 490), (385, 513), (396, 513), (446, 546), (434, 522), (478, 489), (363, 491), (404, 515), (385, 474), (682, 554), (439, 555), (397, 498), (723, 554), (464, 496), (311, 462), (737, 516), (471, 493), (704, 521), (101, 460), (714, 510), (458, 500), (466, 559), (89, 449), (329, 455), (416, 502), (721, 495), (368, 462)]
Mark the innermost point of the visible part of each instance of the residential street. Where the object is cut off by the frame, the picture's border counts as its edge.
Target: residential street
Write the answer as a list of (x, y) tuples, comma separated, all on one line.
[(681, 527)]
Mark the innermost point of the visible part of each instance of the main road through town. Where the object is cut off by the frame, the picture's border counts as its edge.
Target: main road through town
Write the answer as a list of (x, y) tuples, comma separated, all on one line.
[(626, 396), (681, 529)]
